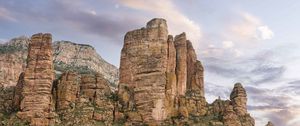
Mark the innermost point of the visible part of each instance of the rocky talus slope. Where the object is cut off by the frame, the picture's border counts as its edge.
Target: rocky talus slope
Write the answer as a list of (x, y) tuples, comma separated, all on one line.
[(67, 56), (161, 83)]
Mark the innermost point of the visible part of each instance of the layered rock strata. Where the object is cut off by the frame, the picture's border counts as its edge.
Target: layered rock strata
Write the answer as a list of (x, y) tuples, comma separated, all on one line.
[(161, 83), (38, 77), (67, 56), (155, 72)]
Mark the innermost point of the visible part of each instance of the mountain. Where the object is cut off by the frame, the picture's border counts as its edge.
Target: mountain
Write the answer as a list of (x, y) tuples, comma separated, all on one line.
[(67, 56)]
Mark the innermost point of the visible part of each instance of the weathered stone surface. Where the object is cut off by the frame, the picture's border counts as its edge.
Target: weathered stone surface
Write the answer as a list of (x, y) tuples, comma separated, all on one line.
[(171, 86), (270, 124), (238, 97), (181, 63), (161, 83), (39, 74), (83, 59), (18, 92), (67, 56), (67, 91), (92, 104), (143, 69), (13, 57)]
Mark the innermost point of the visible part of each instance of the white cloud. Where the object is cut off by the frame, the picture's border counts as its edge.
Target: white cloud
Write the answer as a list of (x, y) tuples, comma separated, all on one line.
[(92, 12), (249, 28), (177, 21), (227, 44), (264, 33)]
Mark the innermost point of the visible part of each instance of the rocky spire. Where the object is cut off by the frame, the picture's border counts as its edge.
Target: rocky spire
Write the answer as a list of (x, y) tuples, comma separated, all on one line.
[(39, 74), (156, 71), (238, 97), (270, 124)]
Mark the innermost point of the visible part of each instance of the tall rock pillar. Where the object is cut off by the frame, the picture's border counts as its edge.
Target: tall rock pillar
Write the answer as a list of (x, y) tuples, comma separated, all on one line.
[(181, 62), (36, 100), (143, 68), (238, 97)]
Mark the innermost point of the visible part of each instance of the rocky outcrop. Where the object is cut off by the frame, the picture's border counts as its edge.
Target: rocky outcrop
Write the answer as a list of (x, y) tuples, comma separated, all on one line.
[(83, 99), (270, 124), (13, 57), (67, 91), (161, 78), (83, 59), (143, 69), (238, 97), (67, 56), (39, 74)]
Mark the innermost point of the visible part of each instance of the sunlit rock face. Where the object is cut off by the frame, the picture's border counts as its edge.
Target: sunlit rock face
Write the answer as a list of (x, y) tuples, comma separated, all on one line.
[(155, 72), (161, 83), (38, 77)]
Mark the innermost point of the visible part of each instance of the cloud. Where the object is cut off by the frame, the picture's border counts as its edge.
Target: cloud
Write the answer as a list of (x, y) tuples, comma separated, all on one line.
[(258, 69), (248, 28), (264, 33), (276, 105), (227, 44), (177, 21), (6, 15)]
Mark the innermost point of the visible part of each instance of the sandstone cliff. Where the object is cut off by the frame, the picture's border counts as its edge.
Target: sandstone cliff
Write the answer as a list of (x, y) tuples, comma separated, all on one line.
[(66, 55), (161, 83)]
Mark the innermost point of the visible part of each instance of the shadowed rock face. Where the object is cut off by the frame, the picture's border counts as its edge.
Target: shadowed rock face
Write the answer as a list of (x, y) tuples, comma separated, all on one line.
[(39, 74)]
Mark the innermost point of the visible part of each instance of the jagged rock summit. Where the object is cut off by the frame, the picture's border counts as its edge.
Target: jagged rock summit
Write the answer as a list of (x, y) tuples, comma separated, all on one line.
[(161, 83)]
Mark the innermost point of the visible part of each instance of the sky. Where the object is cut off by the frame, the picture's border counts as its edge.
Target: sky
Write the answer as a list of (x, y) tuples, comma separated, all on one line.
[(254, 42)]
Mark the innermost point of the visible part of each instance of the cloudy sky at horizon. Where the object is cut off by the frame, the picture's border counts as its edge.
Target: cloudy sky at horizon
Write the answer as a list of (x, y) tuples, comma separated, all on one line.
[(253, 42)]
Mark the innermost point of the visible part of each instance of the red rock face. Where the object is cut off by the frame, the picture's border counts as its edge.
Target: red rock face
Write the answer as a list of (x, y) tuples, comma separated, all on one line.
[(39, 74), (181, 63), (143, 69), (238, 97), (155, 73)]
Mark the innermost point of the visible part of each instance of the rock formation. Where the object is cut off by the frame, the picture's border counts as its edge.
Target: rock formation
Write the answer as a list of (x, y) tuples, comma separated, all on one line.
[(82, 59), (161, 83), (67, 56), (161, 78), (239, 99), (154, 73), (270, 124), (13, 57), (143, 69), (67, 91), (38, 77), (83, 99)]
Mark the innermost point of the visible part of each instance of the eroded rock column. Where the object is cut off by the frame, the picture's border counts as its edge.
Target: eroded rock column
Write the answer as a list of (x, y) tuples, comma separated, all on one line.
[(238, 97), (143, 69), (181, 62), (39, 74)]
